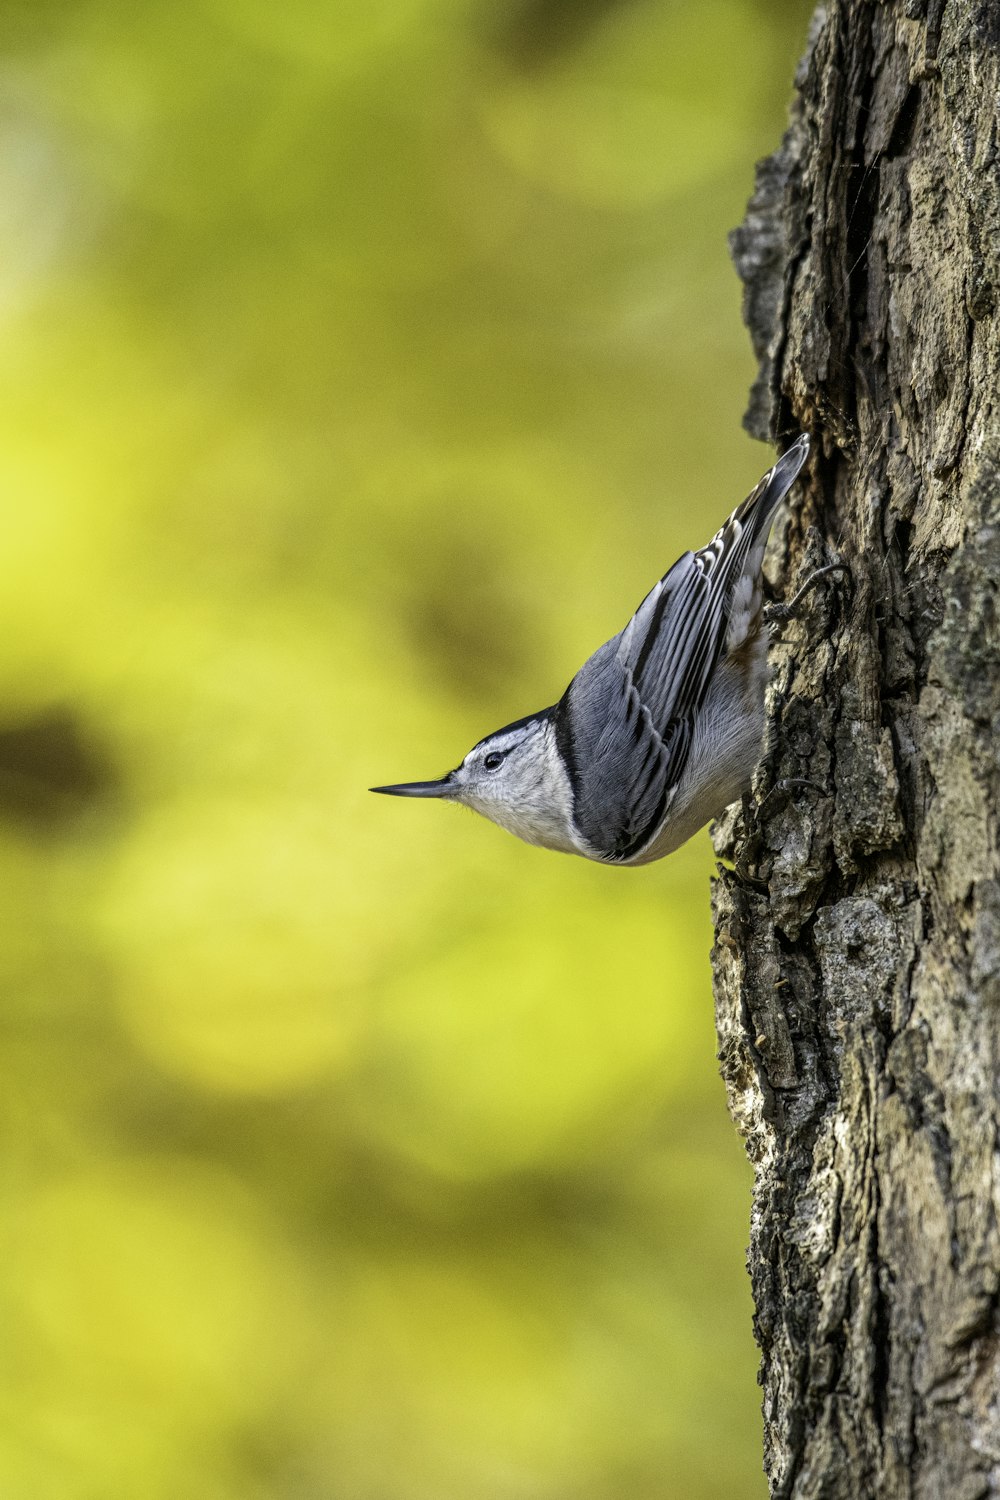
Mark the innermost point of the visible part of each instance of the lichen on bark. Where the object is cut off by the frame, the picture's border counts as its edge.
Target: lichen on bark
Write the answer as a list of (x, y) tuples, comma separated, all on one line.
[(857, 978)]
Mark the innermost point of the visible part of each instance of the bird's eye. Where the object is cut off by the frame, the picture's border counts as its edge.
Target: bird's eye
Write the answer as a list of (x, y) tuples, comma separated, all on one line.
[(493, 761)]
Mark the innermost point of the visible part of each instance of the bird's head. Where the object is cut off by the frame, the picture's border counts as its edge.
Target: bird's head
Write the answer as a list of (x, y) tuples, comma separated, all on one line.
[(514, 777)]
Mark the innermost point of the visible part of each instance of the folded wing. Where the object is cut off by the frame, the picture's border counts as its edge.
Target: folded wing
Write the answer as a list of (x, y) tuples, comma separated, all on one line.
[(626, 721)]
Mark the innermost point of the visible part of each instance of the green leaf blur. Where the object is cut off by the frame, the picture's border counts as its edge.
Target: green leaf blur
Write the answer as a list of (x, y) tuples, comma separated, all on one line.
[(362, 365)]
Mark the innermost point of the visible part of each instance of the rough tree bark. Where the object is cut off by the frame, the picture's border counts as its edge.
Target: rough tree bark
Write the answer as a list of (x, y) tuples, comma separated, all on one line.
[(858, 981)]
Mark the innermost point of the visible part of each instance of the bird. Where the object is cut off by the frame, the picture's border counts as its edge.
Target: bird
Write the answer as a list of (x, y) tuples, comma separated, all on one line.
[(661, 728)]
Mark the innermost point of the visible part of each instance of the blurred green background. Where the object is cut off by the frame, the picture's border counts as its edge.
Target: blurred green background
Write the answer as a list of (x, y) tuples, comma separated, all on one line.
[(362, 365)]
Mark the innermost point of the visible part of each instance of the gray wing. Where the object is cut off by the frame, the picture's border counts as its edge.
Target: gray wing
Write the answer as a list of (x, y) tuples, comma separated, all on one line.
[(626, 721)]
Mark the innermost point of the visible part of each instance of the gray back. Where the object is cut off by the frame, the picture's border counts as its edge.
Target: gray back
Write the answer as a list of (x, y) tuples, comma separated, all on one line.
[(625, 723)]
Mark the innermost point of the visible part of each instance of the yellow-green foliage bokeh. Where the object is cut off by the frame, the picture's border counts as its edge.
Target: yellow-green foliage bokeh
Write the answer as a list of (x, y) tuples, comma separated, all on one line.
[(362, 365)]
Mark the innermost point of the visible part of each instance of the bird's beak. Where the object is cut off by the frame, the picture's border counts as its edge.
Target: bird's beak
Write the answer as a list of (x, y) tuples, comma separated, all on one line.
[(442, 788)]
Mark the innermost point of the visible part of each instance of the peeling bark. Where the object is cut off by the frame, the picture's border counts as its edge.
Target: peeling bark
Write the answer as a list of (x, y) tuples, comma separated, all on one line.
[(858, 982)]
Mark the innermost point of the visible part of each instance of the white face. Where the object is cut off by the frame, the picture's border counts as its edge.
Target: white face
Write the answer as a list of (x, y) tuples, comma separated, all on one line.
[(515, 778)]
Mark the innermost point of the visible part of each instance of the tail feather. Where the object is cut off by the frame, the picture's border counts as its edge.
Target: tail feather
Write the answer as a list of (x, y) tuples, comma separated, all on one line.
[(759, 506), (752, 522)]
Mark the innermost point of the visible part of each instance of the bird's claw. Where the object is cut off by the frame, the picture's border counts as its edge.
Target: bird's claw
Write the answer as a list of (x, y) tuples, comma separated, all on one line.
[(777, 614), (743, 865)]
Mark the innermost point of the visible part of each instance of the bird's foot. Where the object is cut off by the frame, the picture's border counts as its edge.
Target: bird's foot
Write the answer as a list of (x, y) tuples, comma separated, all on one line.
[(792, 784), (744, 864), (777, 614)]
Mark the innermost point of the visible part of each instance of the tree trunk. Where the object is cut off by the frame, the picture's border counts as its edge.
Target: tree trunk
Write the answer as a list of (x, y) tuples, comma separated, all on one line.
[(858, 979)]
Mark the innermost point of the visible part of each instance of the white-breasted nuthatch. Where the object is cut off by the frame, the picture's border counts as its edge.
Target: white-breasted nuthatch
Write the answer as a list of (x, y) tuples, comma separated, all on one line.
[(660, 729)]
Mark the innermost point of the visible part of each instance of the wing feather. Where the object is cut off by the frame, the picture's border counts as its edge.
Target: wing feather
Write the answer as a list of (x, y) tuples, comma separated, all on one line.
[(626, 722)]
